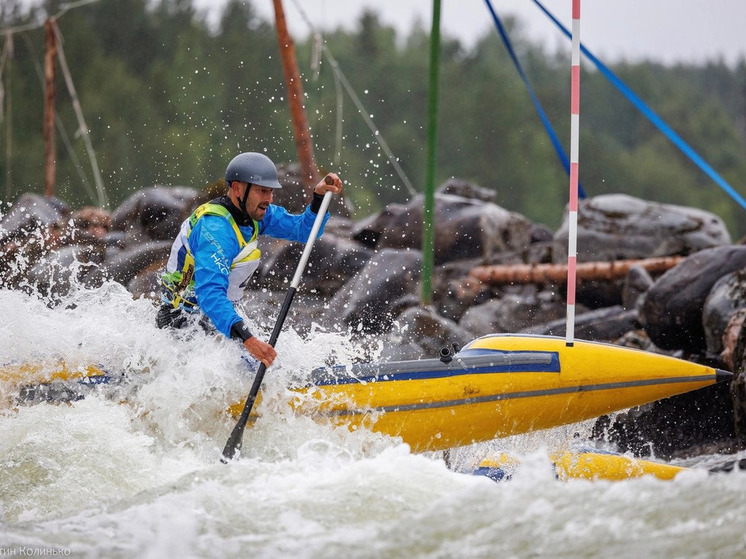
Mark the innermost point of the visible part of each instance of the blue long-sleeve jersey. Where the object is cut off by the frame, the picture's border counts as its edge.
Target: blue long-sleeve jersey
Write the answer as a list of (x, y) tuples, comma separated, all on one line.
[(214, 245)]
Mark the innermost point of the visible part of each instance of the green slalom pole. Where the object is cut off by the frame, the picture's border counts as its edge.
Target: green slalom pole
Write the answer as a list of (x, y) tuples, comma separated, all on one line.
[(428, 230)]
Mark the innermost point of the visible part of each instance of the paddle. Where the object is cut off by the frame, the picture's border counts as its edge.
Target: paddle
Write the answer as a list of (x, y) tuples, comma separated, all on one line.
[(233, 445)]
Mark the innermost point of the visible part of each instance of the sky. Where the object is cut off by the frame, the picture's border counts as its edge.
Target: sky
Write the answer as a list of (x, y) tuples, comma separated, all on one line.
[(667, 31)]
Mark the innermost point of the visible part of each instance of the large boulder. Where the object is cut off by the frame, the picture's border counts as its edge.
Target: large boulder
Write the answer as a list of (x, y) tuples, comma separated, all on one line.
[(671, 310), (615, 227), (698, 422), (29, 214), (599, 325), (56, 273), (512, 313), (619, 227), (726, 297), (455, 292), (155, 213), (333, 262), (124, 265), (34, 229), (466, 228), (422, 333), (737, 359), (371, 300)]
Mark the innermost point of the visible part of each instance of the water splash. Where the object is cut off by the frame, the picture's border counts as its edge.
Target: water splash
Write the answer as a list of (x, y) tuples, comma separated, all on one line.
[(102, 478)]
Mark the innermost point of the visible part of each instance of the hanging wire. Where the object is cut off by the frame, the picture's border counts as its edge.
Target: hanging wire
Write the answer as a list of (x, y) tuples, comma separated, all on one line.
[(316, 55), (63, 9), (6, 57), (82, 127), (393, 160), (316, 52), (340, 120)]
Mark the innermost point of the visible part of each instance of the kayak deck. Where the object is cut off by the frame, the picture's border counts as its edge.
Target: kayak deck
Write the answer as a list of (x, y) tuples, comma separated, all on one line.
[(496, 386)]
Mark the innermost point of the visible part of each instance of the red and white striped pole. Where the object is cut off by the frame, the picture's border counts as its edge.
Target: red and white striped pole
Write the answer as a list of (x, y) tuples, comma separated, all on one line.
[(572, 218)]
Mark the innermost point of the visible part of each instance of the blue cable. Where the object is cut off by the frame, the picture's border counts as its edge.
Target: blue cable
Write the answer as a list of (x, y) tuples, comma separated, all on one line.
[(552, 136), (650, 114)]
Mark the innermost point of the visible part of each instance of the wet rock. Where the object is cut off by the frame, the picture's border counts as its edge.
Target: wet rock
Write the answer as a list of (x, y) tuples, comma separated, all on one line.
[(454, 291), (731, 338), (636, 284), (54, 274), (600, 325), (147, 282), (367, 303), (422, 332), (369, 230), (123, 266), (671, 310), (598, 294), (511, 313), (29, 214), (738, 384), (333, 262), (36, 228), (466, 229), (726, 297), (541, 234), (92, 222), (466, 189), (619, 227), (675, 427), (155, 213)]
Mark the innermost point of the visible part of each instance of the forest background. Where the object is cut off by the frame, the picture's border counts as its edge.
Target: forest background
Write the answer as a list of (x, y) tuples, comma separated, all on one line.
[(170, 97)]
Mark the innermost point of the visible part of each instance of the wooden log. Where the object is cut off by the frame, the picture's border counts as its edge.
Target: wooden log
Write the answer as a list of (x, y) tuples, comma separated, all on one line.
[(50, 151), (295, 98), (557, 273)]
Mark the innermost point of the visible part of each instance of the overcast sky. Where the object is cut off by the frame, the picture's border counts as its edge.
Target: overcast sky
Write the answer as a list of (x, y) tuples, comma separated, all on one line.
[(662, 30), (667, 31)]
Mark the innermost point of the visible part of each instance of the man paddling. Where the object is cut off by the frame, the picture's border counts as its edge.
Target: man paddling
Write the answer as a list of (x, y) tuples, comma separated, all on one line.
[(216, 253)]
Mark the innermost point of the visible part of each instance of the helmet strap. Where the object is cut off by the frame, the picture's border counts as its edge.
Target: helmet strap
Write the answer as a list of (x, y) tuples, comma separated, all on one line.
[(243, 200)]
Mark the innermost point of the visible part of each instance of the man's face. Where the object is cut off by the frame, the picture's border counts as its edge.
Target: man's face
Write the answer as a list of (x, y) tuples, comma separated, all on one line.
[(259, 198)]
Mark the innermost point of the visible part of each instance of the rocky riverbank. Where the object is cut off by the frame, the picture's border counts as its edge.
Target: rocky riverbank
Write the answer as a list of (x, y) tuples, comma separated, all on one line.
[(364, 279)]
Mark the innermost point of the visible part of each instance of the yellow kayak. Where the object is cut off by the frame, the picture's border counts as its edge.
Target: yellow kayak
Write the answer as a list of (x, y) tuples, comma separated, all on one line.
[(496, 386), (589, 465)]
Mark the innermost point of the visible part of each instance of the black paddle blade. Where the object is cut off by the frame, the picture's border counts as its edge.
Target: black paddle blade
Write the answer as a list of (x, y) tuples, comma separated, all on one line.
[(233, 445)]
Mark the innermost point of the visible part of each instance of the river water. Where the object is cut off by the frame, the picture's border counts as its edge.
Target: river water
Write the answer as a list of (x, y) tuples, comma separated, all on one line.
[(141, 477)]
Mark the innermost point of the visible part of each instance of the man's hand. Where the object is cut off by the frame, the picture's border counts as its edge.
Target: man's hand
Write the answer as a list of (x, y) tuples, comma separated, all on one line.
[(330, 183), (264, 352)]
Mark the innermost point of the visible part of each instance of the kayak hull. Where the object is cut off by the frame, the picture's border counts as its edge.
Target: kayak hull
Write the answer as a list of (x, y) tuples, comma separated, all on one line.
[(587, 465), (496, 386)]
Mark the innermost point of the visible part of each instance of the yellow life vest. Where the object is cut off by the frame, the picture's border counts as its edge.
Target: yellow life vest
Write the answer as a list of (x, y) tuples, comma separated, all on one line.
[(178, 280)]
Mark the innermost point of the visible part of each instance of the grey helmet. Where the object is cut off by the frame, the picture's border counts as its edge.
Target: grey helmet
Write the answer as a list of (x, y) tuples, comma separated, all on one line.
[(253, 168)]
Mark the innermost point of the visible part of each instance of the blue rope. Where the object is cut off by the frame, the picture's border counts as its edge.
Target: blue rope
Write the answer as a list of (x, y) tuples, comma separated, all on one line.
[(650, 114), (547, 125)]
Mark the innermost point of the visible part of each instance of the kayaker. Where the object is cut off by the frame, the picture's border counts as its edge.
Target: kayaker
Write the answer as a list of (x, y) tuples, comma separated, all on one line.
[(215, 254)]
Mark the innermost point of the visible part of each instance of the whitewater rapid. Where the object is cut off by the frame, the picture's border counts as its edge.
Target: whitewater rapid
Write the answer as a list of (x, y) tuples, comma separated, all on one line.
[(134, 471)]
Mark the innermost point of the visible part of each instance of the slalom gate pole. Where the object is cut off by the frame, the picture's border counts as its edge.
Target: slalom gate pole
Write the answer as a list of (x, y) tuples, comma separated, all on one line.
[(572, 218)]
